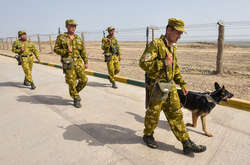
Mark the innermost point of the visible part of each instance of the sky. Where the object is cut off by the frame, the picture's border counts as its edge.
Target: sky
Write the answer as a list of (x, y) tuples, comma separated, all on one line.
[(45, 16)]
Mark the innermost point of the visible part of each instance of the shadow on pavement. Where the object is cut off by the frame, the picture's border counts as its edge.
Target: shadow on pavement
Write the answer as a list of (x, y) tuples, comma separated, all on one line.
[(102, 134), (161, 124), (97, 84), (44, 99), (188, 129), (13, 84)]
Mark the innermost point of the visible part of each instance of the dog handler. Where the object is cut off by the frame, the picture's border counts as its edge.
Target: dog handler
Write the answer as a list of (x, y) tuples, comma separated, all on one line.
[(159, 61)]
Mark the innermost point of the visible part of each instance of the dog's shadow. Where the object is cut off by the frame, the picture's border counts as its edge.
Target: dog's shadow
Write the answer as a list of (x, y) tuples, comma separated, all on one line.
[(96, 134), (44, 99)]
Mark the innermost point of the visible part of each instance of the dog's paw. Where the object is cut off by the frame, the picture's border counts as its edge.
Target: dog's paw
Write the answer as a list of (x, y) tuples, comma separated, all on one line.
[(209, 134), (189, 125)]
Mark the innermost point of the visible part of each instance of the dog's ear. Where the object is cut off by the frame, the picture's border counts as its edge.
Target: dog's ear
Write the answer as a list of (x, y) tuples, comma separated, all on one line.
[(216, 86), (223, 87)]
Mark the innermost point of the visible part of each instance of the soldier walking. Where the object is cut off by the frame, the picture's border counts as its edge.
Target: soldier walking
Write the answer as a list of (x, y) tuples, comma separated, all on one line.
[(112, 54), (159, 61), (72, 51), (25, 50)]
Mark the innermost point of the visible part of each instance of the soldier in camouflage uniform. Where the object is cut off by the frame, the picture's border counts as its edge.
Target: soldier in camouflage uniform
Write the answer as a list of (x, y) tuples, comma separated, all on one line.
[(159, 61), (72, 51), (112, 54), (25, 50)]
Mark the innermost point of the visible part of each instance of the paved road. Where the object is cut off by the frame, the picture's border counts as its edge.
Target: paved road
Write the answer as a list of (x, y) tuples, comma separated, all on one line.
[(41, 127)]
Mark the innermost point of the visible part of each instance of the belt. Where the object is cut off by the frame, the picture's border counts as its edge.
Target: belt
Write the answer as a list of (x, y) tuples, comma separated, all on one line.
[(27, 55)]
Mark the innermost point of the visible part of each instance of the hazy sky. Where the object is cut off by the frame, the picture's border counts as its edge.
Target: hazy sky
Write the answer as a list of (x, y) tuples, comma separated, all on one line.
[(45, 16)]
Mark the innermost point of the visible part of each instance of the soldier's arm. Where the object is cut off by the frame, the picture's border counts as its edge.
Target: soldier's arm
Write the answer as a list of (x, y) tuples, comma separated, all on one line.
[(58, 48), (105, 44), (15, 48), (84, 55), (35, 51), (149, 62), (178, 77), (119, 50)]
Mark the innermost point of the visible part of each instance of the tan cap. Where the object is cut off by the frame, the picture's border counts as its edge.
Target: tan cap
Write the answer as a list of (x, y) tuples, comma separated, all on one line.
[(177, 24), (110, 28), (70, 22), (20, 32)]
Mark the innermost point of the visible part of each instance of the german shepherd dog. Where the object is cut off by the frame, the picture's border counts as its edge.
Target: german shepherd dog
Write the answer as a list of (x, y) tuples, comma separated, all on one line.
[(201, 104)]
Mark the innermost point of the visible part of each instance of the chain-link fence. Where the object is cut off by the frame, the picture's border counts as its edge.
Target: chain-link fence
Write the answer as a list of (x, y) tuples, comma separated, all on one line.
[(197, 53)]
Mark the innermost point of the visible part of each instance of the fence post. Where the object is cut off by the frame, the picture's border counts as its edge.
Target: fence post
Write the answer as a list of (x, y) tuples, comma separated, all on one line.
[(219, 61), (39, 43), (83, 39), (7, 44), (50, 42), (3, 44), (11, 42), (153, 34)]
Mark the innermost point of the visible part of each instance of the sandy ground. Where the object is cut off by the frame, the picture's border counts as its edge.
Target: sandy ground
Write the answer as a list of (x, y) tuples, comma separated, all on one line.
[(197, 62)]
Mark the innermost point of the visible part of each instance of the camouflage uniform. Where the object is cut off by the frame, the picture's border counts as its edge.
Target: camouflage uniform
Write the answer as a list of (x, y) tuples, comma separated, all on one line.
[(113, 64), (26, 55), (75, 77), (153, 62)]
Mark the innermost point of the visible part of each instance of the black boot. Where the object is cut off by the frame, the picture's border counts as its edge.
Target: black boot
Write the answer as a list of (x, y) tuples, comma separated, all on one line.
[(109, 79), (77, 103), (150, 141), (190, 147), (114, 85), (26, 83), (32, 85)]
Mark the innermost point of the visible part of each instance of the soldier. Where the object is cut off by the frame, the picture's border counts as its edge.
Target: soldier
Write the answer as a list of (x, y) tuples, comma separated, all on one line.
[(72, 51), (25, 50), (112, 54), (159, 61)]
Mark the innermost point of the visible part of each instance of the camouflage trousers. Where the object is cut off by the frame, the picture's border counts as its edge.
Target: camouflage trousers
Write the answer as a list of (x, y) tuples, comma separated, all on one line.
[(172, 110), (113, 67), (76, 78), (27, 64)]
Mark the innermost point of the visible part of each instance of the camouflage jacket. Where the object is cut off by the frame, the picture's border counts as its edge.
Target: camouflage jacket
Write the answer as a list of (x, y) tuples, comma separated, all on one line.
[(63, 41), (153, 62), (29, 48), (111, 47)]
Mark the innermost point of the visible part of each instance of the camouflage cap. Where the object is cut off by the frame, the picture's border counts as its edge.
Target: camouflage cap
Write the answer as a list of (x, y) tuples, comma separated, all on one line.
[(177, 24), (70, 22), (110, 28), (20, 32)]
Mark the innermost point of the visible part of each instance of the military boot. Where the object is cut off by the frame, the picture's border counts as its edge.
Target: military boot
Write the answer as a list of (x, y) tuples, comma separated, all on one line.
[(32, 85), (26, 83), (150, 141), (77, 103), (114, 85), (109, 79), (190, 147)]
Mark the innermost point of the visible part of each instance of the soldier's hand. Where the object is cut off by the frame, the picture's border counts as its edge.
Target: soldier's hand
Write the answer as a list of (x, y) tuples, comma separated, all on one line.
[(70, 49), (22, 49), (109, 41), (185, 92), (86, 66), (38, 60), (169, 59)]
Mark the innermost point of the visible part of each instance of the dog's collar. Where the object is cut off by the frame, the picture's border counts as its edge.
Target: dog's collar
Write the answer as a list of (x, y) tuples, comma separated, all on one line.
[(210, 99)]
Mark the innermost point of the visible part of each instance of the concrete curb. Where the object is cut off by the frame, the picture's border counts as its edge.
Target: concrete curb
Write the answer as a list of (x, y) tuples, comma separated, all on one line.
[(234, 102)]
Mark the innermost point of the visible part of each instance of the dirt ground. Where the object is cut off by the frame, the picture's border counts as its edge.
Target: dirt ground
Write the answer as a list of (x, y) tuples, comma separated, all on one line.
[(196, 60)]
